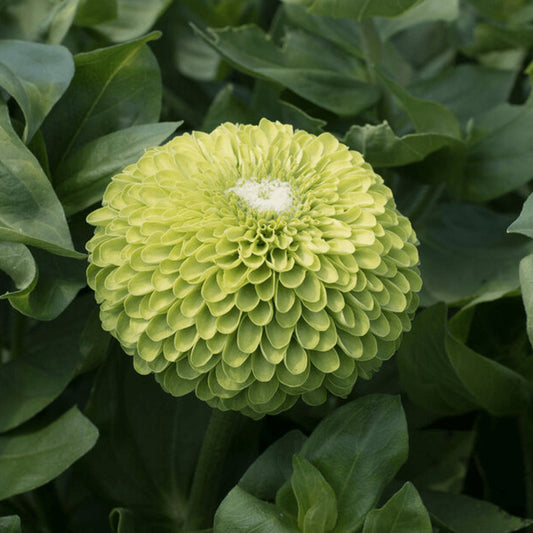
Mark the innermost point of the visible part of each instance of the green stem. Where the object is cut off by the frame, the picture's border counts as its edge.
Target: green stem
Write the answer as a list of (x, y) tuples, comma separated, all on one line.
[(204, 494)]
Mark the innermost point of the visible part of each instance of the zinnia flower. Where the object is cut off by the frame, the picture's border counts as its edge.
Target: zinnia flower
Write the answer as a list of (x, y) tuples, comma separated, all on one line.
[(253, 265)]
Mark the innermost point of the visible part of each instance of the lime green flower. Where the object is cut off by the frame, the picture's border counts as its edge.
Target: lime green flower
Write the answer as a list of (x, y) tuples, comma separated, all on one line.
[(253, 265)]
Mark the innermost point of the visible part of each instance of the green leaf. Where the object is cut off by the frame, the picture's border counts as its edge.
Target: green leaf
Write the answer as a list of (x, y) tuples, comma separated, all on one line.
[(403, 513), (357, 9), (134, 17), (311, 68), (452, 88), (466, 254), (18, 263), (30, 212), (317, 506), (32, 456), (382, 148), (524, 223), (273, 467), (35, 75), (124, 520), (500, 159), (241, 512), (444, 376), (358, 449), (59, 280), (61, 21), (113, 88), (526, 284), (149, 443), (82, 178), (422, 12), (426, 116), (462, 514), (438, 459), (10, 524), (92, 12), (39, 375)]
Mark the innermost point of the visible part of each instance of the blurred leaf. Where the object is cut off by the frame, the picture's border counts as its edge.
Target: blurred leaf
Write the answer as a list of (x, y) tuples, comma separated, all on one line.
[(59, 279), (491, 37), (382, 148), (37, 20), (18, 263), (241, 512), (307, 66), (358, 449), (444, 376), (35, 75), (524, 223), (134, 17), (92, 12), (438, 459), (113, 88), (526, 284), (466, 253), (124, 520), (227, 107), (81, 179), (33, 455), (149, 443), (422, 12), (426, 116), (39, 375), (500, 158), (496, 9), (403, 513), (10, 524), (453, 89), (357, 9), (30, 212), (273, 467), (462, 514), (317, 506)]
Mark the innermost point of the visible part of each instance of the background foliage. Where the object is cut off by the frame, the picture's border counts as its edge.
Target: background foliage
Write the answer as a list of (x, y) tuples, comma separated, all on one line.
[(436, 95)]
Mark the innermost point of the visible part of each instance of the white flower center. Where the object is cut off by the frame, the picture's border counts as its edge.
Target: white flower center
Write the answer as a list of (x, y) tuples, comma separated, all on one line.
[(265, 195)]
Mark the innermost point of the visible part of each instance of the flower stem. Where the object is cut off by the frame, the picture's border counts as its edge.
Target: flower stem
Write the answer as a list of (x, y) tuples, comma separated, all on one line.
[(203, 497)]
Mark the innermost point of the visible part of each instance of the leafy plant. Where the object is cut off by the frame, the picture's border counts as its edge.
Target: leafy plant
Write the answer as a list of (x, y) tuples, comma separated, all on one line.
[(436, 96)]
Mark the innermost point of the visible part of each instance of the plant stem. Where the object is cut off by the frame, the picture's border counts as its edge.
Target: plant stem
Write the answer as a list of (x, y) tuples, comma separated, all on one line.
[(203, 497)]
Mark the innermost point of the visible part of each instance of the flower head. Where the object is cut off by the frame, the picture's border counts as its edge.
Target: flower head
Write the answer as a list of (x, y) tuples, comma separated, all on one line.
[(253, 265)]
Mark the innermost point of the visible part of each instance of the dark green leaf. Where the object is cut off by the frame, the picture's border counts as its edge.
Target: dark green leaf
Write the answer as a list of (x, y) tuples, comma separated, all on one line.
[(466, 253), (127, 521), (18, 263), (134, 17), (382, 148), (403, 513), (453, 89), (426, 116), (51, 354), (241, 512), (113, 88), (438, 459), (149, 442), (358, 449), (462, 514), (500, 159), (357, 9), (32, 456), (59, 279), (10, 524), (443, 375), (317, 506), (92, 12), (273, 467), (524, 223), (307, 66), (82, 178), (35, 75), (30, 212)]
